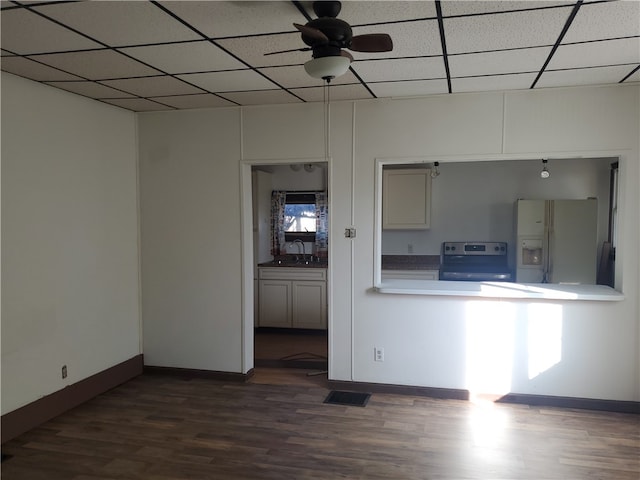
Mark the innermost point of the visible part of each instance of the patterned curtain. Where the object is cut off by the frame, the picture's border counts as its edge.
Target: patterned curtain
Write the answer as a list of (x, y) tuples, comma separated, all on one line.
[(278, 199), (322, 224)]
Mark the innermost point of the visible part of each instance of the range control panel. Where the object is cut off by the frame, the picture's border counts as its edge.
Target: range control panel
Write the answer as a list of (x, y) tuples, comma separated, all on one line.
[(474, 248)]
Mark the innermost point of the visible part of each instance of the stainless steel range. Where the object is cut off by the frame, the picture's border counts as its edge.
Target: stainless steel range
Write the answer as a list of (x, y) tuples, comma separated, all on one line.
[(475, 261)]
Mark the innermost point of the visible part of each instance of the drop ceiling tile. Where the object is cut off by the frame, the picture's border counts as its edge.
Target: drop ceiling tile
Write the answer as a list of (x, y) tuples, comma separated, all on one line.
[(97, 65), (185, 57), (505, 30), (633, 78), (27, 68), (153, 86), (414, 88), (508, 61), (261, 97), (204, 100), (296, 77), (362, 13), (120, 23), (136, 104), (337, 93), (493, 82), (583, 76), (400, 69), (410, 39), (25, 32), (88, 89), (609, 52), (463, 7), (252, 50), (594, 20), (220, 19), (233, 81)]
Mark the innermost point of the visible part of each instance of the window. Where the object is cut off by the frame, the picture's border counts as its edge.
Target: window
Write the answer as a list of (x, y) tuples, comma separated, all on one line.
[(469, 204), (300, 217)]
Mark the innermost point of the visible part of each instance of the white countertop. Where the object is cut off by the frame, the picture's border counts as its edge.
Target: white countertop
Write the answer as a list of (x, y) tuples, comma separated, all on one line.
[(500, 290)]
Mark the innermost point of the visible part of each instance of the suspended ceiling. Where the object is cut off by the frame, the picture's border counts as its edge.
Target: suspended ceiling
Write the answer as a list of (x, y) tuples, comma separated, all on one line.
[(150, 55)]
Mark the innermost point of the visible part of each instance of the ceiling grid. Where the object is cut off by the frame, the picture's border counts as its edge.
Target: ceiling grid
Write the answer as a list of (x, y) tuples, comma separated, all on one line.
[(164, 55)]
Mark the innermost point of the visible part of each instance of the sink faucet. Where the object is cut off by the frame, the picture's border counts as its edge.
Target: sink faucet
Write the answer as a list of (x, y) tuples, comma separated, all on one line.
[(299, 242)]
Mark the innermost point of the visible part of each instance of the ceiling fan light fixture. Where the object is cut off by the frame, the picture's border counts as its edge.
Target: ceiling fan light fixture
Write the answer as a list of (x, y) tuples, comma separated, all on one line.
[(327, 67)]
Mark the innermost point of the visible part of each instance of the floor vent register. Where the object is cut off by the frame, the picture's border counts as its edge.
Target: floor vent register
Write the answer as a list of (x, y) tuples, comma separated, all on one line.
[(353, 399)]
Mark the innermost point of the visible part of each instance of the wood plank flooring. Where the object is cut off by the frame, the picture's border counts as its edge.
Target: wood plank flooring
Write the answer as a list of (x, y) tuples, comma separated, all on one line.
[(281, 343), (158, 427), (281, 347)]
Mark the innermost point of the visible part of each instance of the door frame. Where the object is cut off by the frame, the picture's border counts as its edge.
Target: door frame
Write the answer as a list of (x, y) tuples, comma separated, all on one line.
[(247, 260)]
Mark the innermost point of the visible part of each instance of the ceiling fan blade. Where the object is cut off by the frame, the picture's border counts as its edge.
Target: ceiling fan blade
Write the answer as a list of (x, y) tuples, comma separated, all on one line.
[(371, 42), (306, 49), (344, 53), (313, 33)]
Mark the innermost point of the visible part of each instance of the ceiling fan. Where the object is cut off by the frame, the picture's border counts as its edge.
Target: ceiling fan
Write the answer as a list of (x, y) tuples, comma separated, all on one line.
[(329, 38)]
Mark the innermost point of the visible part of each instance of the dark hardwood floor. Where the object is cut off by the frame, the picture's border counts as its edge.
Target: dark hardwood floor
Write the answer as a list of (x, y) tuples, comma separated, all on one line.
[(282, 347), (159, 427)]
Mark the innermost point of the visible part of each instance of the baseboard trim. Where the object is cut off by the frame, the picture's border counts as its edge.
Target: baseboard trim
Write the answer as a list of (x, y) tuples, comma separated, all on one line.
[(443, 393), (36, 413), (618, 406), (196, 373)]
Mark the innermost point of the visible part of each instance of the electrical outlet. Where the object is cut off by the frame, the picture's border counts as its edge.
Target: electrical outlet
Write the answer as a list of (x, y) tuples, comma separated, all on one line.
[(64, 371), (378, 354), (410, 248)]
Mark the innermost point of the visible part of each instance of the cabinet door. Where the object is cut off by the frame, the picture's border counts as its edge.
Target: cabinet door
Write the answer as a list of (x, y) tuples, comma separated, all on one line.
[(275, 303), (309, 304), (406, 199)]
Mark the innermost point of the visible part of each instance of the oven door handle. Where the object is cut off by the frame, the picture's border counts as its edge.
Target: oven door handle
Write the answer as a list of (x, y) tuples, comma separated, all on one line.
[(475, 276)]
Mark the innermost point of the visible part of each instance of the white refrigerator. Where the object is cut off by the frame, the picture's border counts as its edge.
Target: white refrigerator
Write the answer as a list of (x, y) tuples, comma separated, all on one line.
[(557, 241)]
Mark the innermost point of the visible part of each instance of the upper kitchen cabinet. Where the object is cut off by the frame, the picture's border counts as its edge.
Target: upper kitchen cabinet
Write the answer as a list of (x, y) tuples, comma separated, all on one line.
[(406, 195)]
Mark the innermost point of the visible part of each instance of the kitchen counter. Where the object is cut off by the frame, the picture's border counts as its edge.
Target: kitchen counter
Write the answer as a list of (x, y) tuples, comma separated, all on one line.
[(294, 264), (410, 262), (546, 291)]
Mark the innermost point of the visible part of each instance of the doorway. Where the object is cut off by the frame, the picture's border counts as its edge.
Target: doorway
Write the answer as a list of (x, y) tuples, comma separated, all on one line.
[(280, 347)]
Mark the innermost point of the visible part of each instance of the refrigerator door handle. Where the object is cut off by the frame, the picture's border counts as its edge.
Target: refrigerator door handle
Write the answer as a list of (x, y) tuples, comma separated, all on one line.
[(550, 240), (548, 233)]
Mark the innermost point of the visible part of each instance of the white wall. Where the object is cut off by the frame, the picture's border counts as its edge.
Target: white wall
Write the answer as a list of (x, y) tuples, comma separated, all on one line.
[(429, 340), (191, 239), (284, 178), (192, 304), (69, 239)]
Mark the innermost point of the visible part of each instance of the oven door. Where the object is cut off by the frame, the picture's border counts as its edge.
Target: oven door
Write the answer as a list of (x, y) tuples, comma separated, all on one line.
[(475, 276)]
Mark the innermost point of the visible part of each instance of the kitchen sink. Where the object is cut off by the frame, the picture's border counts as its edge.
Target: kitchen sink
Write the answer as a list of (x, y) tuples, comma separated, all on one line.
[(295, 263)]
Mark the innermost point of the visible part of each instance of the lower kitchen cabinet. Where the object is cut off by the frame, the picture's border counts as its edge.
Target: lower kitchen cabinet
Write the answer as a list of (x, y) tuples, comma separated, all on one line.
[(275, 303), (309, 304), (293, 297)]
